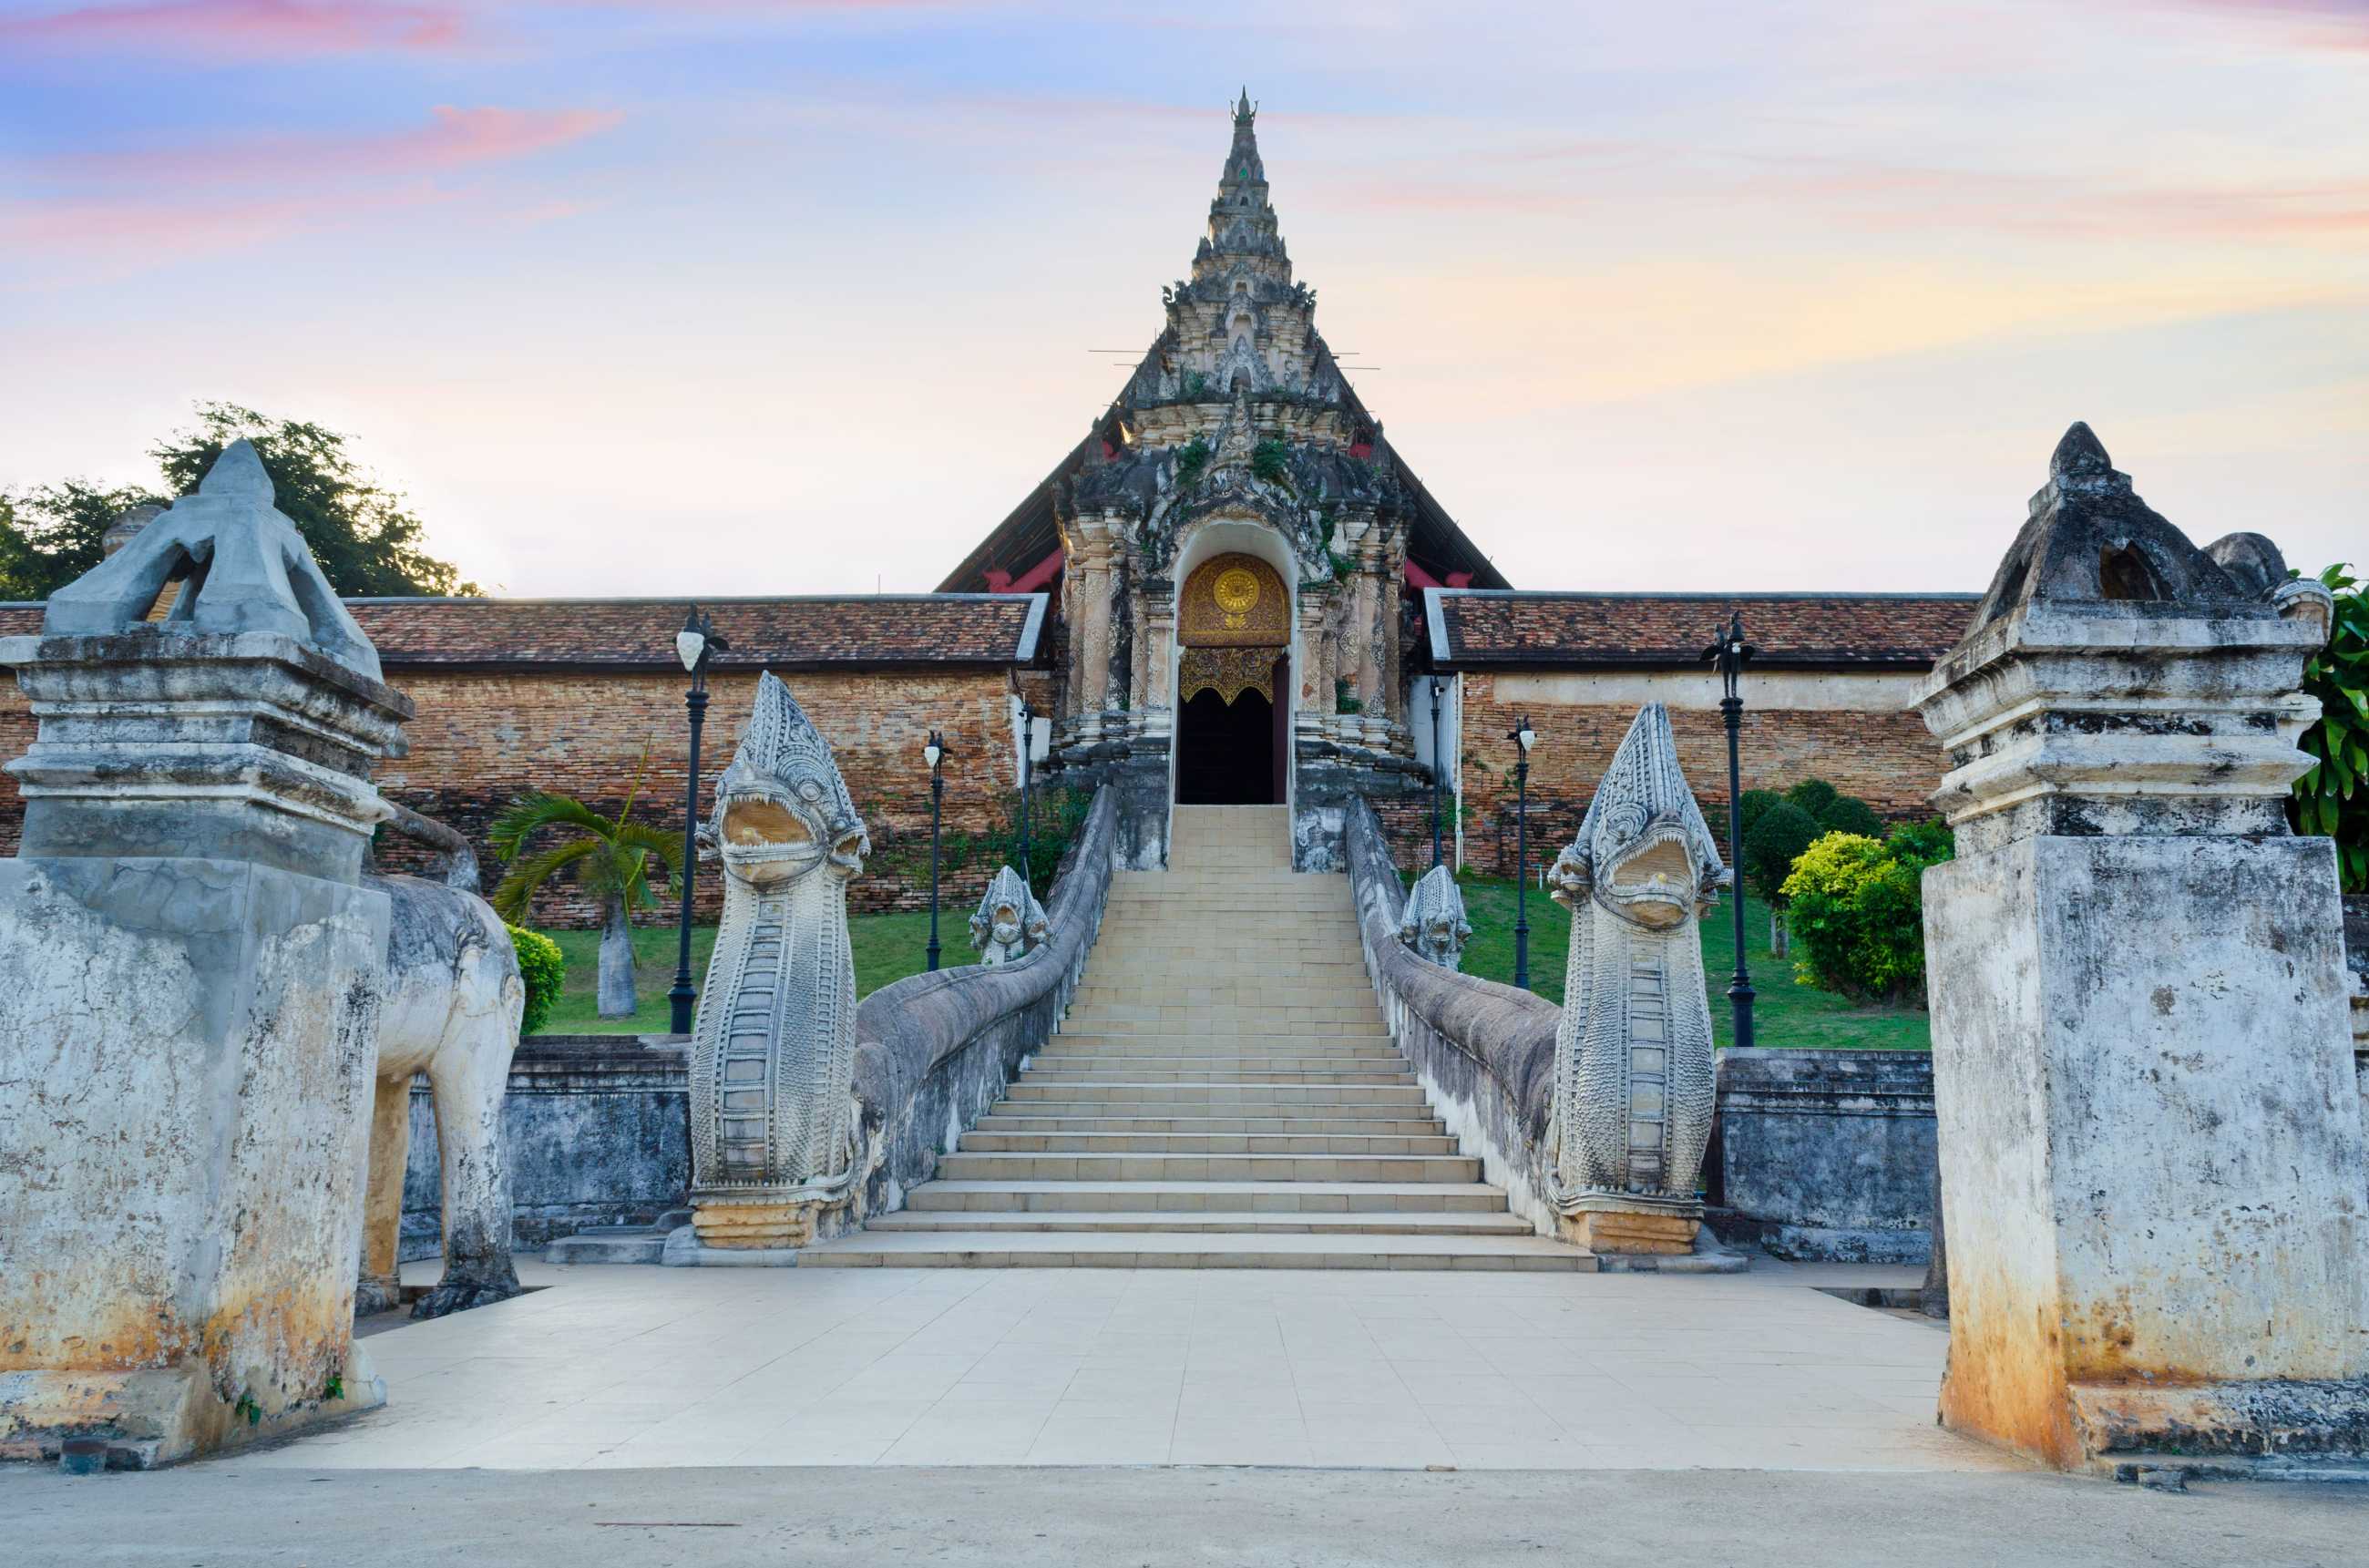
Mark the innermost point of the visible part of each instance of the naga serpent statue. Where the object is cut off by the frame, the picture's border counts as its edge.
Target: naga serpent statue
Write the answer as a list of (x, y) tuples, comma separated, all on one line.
[(1634, 1093), (1432, 923), (773, 1053), (1010, 920)]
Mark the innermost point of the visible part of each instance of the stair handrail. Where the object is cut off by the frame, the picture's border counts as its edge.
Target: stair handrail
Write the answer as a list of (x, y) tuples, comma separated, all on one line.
[(922, 1078), (1484, 1052)]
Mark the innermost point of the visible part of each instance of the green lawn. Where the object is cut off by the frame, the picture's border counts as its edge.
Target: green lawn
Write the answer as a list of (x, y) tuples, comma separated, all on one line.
[(1783, 1014), (887, 948)]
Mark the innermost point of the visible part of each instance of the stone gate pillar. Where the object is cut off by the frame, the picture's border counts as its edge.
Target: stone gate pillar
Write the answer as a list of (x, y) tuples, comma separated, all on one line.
[(2151, 1146), (190, 992)]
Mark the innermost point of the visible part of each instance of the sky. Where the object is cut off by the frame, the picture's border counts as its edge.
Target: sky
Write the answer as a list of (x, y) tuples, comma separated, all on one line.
[(803, 296)]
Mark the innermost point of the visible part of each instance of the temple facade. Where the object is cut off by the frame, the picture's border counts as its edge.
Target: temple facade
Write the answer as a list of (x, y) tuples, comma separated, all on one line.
[(1235, 548)]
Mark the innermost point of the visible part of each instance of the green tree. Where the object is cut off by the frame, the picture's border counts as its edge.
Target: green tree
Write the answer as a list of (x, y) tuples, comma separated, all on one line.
[(52, 534), (611, 859), (2332, 799), (1812, 796), (367, 539), (1776, 838), (1849, 814)]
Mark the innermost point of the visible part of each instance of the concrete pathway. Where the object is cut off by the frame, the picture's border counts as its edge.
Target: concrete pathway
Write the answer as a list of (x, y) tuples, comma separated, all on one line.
[(619, 1367), (209, 1517)]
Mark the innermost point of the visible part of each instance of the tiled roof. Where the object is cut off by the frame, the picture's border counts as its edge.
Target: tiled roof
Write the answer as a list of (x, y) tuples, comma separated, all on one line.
[(1471, 626), (780, 634)]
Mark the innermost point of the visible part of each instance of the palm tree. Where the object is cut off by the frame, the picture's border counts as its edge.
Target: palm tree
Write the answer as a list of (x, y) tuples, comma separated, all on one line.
[(611, 859)]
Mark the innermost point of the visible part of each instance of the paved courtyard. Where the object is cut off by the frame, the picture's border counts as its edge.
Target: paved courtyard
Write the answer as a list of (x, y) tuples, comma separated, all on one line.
[(653, 1367)]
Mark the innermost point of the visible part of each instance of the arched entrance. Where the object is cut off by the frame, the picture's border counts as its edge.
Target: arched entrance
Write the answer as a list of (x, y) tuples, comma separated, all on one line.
[(1233, 627)]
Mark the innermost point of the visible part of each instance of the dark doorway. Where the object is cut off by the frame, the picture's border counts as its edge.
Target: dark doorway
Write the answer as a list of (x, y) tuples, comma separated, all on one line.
[(1226, 751)]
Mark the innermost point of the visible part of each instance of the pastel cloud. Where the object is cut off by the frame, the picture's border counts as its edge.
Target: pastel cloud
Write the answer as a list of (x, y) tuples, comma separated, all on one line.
[(146, 207), (452, 138), (270, 30)]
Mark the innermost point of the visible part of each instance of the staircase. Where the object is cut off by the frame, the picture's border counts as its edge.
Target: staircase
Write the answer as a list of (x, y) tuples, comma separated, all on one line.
[(1222, 1094)]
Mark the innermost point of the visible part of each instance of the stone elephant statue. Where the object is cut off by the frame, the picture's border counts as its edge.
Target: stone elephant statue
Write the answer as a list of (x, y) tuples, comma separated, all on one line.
[(454, 1000)]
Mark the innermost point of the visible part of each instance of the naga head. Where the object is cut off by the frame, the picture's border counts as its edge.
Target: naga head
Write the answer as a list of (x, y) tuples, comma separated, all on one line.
[(1645, 852), (781, 808), (1434, 923), (1008, 917)]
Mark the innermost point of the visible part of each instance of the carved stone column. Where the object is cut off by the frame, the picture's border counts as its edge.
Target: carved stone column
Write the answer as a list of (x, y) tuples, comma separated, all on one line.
[(1160, 642), (1390, 591), (2150, 1133), (1315, 716), (1090, 545)]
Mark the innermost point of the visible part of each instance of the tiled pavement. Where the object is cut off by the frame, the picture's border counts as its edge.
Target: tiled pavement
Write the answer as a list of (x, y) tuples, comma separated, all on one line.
[(613, 1366)]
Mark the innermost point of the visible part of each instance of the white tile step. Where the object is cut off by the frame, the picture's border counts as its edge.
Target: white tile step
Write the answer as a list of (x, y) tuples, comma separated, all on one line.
[(988, 1249)]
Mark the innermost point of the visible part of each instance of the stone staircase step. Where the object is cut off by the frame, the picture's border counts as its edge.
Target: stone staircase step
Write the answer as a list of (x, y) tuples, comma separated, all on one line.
[(1385, 1222), (1056, 1118), (1069, 1073), (1000, 1141), (1231, 1197), (989, 1249), (1223, 1092), (1288, 1097), (964, 1165)]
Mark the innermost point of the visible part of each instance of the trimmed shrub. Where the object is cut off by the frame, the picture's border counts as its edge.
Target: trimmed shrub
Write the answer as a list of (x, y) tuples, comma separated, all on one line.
[(543, 967), (1812, 796), (1857, 912), (1754, 803), (1927, 843), (1849, 814), (1770, 847)]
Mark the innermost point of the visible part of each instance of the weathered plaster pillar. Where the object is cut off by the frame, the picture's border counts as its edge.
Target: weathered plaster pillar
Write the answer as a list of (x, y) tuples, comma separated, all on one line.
[(2150, 1141), (190, 981)]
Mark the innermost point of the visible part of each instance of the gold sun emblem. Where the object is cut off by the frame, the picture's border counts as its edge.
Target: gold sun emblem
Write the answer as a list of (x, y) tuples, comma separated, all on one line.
[(1237, 592)]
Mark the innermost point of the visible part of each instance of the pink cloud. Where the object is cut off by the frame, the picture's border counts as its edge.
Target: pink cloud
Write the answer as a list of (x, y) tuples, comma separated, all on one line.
[(453, 138), (2312, 24), (267, 29), (154, 206)]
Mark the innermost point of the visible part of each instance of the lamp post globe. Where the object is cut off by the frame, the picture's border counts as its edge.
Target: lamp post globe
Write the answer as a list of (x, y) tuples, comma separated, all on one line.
[(695, 644)]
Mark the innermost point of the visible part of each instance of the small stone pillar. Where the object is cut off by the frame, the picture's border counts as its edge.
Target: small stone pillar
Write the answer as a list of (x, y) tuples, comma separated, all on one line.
[(190, 992), (2150, 1139)]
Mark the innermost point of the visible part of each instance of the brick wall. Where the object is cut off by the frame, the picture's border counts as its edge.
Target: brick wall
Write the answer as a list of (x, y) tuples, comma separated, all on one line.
[(1889, 759), (481, 740)]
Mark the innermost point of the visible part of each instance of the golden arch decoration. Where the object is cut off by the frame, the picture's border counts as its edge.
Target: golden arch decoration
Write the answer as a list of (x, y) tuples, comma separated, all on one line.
[(1234, 601)]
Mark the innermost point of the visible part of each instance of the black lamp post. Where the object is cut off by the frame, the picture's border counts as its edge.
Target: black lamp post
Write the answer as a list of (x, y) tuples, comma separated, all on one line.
[(1525, 738), (695, 644), (1438, 747), (935, 753), (1028, 745), (1728, 656)]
